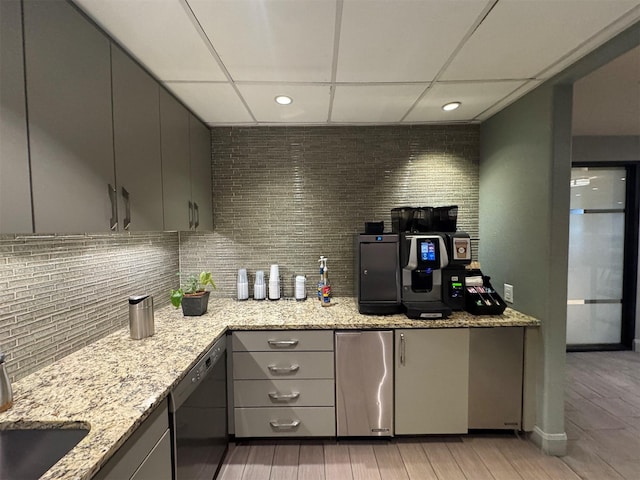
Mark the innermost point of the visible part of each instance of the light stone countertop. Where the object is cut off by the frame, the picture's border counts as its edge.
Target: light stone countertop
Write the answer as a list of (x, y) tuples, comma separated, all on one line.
[(114, 384)]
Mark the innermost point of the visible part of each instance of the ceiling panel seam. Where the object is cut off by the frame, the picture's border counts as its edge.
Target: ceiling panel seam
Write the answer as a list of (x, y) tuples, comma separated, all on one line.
[(483, 14), (214, 53), (334, 62)]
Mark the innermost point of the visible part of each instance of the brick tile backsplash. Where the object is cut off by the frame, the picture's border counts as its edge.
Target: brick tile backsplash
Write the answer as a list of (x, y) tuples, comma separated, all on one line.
[(287, 195), (282, 195), (62, 292)]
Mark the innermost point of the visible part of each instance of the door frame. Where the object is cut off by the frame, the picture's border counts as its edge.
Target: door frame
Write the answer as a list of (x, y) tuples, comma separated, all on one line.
[(630, 256)]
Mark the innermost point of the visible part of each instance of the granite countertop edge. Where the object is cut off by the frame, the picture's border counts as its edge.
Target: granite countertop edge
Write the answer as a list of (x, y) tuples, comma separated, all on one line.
[(113, 384)]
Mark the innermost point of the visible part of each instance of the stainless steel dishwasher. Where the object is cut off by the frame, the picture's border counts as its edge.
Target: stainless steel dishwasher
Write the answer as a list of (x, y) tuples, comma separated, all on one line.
[(364, 383), (198, 406)]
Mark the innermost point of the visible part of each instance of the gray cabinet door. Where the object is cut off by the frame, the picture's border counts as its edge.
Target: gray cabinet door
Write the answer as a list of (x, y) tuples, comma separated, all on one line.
[(68, 78), (176, 170), (136, 129), (15, 187), (495, 377), (432, 381), (201, 189)]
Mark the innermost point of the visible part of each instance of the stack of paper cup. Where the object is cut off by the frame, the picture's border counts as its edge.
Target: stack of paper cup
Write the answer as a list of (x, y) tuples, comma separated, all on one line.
[(243, 284), (301, 290), (274, 283), (259, 289)]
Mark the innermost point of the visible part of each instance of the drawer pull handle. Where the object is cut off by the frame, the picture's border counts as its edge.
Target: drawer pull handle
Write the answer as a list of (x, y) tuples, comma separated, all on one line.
[(291, 369), (284, 397), (284, 426), (282, 343)]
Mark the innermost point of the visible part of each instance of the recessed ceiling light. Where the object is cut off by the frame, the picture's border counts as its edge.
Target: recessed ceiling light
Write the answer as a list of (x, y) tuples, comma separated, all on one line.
[(284, 100), (447, 107)]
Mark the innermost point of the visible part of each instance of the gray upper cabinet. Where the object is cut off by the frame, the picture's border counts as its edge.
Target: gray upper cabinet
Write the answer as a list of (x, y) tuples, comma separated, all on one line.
[(201, 189), (136, 129), (15, 188), (176, 175), (186, 168), (68, 78)]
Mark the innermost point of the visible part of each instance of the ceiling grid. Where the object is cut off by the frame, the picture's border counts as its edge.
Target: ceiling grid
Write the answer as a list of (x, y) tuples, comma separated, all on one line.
[(356, 62)]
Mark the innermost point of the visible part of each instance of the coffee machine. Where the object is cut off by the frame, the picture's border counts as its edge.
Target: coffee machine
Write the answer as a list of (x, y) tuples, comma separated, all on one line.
[(422, 258)]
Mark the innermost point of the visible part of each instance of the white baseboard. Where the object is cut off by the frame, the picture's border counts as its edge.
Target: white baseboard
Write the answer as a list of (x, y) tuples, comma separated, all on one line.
[(636, 345), (550, 443)]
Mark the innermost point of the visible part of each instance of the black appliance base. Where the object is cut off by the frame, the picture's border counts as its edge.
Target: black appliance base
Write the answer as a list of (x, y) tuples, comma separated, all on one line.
[(426, 310), (379, 309)]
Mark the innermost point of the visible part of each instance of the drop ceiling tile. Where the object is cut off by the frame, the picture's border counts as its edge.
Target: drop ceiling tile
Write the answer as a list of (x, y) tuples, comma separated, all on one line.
[(374, 103), (271, 40), (212, 102), (310, 103), (521, 38), (403, 40), (160, 34), (475, 98)]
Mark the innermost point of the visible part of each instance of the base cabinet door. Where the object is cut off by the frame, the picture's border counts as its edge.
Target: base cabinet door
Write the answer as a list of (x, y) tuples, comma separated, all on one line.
[(495, 378), (431, 381), (146, 455)]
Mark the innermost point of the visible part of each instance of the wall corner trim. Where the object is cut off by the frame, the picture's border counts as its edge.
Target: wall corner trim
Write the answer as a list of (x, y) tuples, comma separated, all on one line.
[(550, 443)]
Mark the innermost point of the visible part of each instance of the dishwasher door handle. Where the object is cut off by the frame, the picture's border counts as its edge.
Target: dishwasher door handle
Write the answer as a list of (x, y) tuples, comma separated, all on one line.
[(284, 426), (282, 343), (291, 369), (284, 397)]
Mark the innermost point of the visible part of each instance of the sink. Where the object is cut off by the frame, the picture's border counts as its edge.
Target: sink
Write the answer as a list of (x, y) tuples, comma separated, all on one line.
[(28, 453)]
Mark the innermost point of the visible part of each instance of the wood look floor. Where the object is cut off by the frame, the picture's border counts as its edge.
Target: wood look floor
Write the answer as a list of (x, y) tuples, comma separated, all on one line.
[(602, 422)]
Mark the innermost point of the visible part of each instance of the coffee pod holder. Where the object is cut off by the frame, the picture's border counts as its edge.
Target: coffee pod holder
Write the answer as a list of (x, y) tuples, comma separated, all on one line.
[(482, 299)]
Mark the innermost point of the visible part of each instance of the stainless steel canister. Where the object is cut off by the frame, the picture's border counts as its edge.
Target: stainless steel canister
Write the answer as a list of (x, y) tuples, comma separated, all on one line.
[(141, 323)]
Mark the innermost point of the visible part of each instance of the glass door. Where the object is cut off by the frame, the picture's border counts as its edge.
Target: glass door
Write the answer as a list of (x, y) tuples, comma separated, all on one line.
[(596, 256)]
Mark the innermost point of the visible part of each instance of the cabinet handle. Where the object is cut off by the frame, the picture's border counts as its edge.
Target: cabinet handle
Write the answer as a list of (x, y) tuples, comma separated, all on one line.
[(284, 426), (127, 207), (403, 357), (113, 221), (282, 343), (291, 369), (190, 214), (196, 222), (284, 397)]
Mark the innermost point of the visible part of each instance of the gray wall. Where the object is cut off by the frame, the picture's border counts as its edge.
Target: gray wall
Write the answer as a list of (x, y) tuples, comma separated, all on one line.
[(524, 223), (288, 195), (60, 293), (608, 148)]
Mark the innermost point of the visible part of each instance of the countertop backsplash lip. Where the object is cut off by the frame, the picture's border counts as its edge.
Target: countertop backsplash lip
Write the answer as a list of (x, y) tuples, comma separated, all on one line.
[(113, 384)]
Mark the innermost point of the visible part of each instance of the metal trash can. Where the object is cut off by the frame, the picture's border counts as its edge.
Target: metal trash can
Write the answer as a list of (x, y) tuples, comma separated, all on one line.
[(141, 323)]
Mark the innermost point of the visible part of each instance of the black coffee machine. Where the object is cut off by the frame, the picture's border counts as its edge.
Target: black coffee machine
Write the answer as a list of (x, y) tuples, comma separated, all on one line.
[(433, 256)]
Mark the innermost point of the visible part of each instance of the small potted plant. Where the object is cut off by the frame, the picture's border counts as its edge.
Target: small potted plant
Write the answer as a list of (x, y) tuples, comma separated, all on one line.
[(192, 296)]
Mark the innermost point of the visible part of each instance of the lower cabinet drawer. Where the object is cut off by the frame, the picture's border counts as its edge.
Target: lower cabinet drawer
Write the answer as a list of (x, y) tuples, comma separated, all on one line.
[(264, 365), (285, 422), (278, 393)]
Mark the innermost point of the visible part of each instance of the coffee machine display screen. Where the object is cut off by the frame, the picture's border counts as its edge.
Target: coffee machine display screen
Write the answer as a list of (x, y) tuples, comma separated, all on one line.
[(429, 253)]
